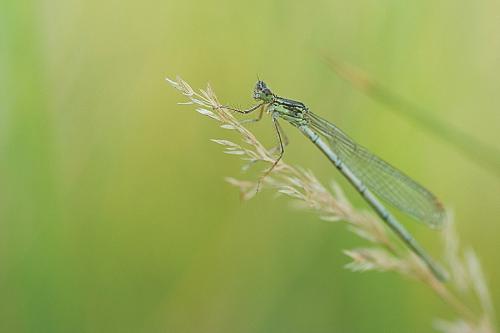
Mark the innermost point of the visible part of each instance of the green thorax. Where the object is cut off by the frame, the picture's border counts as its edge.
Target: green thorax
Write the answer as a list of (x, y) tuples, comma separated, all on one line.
[(292, 111)]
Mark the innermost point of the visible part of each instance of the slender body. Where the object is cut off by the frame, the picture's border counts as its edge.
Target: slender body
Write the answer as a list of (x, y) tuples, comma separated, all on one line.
[(365, 171)]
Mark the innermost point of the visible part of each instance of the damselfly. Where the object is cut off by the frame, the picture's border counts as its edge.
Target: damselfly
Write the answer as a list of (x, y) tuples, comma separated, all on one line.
[(365, 171)]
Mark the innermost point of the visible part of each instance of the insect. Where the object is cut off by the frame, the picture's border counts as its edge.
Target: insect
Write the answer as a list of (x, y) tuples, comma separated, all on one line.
[(369, 174)]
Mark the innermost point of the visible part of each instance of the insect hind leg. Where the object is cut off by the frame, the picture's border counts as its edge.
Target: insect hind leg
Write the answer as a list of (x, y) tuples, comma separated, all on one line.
[(280, 135)]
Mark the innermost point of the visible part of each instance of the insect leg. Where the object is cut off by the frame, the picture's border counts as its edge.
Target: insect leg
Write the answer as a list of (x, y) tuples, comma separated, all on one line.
[(252, 109), (279, 133), (259, 117)]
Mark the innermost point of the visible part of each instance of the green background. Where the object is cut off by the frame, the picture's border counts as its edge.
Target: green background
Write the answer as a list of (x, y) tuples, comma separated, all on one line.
[(114, 212)]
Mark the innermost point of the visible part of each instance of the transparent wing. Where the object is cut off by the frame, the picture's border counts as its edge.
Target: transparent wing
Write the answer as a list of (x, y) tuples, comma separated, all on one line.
[(380, 177)]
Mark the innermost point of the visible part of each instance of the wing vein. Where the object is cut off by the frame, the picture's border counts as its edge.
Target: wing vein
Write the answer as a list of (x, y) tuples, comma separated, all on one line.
[(383, 179)]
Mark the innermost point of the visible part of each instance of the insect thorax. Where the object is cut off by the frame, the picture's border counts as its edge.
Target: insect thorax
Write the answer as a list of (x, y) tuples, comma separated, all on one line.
[(291, 111)]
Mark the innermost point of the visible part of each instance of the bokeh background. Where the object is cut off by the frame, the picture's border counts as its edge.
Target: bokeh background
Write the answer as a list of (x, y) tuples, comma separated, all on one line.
[(114, 212)]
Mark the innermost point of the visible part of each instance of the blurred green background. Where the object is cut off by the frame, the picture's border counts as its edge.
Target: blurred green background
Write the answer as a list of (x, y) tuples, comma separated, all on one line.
[(114, 212)]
